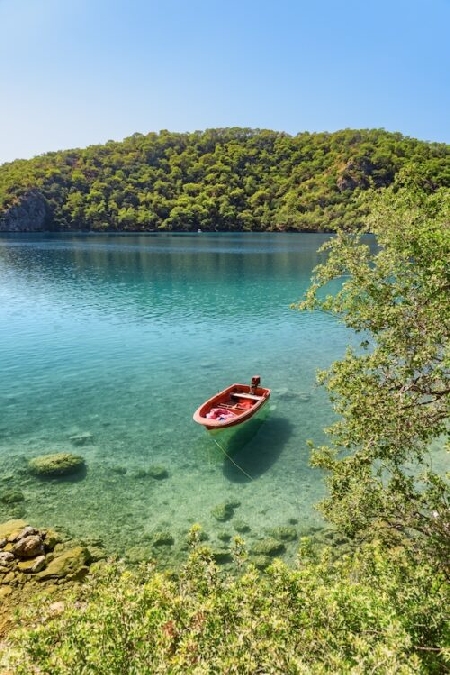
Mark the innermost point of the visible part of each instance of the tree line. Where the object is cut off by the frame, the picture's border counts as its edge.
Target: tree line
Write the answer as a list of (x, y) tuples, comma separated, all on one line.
[(230, 179)]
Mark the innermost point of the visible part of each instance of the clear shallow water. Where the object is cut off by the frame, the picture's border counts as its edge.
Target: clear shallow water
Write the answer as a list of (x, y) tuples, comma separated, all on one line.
[(122, 338)]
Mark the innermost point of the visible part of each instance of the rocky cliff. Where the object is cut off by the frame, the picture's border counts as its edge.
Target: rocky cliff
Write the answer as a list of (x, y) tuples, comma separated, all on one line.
[(29, 214)]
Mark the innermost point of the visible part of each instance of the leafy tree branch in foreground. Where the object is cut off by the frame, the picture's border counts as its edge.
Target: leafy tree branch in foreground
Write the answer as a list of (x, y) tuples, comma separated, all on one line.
[(386, 459)]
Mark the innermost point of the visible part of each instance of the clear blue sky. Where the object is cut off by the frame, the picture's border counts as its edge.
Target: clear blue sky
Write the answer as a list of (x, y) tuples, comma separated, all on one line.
[(79, 72)]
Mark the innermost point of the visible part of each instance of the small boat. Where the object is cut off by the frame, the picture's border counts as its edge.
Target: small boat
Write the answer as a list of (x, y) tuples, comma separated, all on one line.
[(233, 406)]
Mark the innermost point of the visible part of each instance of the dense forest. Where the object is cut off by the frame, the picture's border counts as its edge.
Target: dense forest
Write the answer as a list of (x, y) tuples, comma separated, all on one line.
[(232, 179)]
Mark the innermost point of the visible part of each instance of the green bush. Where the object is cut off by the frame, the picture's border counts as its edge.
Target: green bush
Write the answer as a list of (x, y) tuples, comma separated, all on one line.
[(370, 613)]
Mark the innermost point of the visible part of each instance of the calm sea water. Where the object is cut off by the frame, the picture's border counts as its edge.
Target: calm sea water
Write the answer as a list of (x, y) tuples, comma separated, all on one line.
[(120, 338)]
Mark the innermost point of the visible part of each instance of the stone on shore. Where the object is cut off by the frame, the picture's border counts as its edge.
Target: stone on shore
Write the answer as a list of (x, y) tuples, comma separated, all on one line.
[(71, 563), (11, 528)]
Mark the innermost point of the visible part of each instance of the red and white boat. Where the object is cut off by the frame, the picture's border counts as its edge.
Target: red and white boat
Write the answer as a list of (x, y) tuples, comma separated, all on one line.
[(232, 406)]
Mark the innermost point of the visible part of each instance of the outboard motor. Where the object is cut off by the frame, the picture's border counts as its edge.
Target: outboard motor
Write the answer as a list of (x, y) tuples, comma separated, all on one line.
[(256, 381)]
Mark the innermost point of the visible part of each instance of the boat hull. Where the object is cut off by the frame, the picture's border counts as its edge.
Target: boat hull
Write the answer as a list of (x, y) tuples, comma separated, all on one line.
[(231, 407)]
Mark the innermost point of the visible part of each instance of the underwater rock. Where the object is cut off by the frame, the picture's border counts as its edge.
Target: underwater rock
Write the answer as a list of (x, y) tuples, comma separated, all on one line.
[(11, 496), (7, 477), (17, 510), (241, 527), (163, 538), (286, 533), (121, 470), (224, 536), (221, 556), (139, 554), (59, 464), (261, 561), (158, 472), (267, 547), (288, 395), (223, 511), (83, 438)]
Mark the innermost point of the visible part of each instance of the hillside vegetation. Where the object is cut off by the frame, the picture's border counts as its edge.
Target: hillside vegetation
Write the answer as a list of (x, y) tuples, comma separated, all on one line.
[(230, 179)]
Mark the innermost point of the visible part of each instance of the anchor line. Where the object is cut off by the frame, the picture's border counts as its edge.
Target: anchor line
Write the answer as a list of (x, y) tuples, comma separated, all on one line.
[(231, 459)]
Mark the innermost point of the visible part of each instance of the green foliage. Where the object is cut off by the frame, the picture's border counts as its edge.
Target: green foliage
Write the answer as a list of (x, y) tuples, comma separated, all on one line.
[(392, 396), (221, 179), (372, 613)]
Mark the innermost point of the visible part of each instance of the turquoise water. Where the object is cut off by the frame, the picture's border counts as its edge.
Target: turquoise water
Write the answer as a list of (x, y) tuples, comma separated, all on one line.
[(120, 338)]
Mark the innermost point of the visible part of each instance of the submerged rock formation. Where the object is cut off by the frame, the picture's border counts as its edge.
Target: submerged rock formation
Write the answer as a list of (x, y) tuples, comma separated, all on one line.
[(58, 464)]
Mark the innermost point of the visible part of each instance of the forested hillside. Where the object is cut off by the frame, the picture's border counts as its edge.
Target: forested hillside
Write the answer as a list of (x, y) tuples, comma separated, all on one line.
[(229, 179)]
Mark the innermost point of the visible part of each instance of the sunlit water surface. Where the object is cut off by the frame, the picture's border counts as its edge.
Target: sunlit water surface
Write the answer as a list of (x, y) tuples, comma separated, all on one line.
[(120, 338)]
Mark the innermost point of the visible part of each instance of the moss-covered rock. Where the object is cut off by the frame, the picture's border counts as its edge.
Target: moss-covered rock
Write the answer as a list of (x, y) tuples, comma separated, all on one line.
[(59, 464), (11, 496), (51, 539), (224, 536), (268, 547), (139, 554), (71, 563), (225, 510), (261, 561), (158, 472), (222, 556), (11, 529), (120, 470), (162, 538), (241, 526), (286, 533)]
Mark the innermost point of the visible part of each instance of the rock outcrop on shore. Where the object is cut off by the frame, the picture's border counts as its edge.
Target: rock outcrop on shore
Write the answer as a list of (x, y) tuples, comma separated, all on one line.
[(28, 214), (32, 559)]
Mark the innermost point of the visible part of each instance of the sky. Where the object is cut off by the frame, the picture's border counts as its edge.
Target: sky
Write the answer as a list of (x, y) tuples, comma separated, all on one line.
[(75, 73)]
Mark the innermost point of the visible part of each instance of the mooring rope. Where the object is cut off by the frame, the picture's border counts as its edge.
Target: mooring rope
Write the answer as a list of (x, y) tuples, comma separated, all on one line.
[(231, 459)]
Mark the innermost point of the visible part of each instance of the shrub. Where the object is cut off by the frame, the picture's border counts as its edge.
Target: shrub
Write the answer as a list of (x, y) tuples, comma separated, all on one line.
[(368, 613)]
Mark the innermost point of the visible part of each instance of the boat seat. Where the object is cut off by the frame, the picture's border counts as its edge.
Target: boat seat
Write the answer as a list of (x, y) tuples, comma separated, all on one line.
[(251, 397)]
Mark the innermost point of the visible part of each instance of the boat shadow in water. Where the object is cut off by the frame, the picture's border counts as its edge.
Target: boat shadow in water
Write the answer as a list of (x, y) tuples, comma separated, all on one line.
[(248, 457)]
